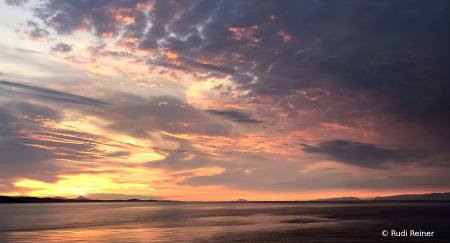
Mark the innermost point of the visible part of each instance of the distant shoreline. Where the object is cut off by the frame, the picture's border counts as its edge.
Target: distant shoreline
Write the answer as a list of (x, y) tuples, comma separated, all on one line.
[(6, 199)]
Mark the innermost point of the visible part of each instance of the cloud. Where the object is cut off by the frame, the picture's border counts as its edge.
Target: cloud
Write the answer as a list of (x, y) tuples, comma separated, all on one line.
[(103, 17), (282, 177), (218, 87), (235, 116), (323, 43), (138, 116), (34, 146), (18, 158), (169, 65), (16, 2), (62, 47), (50, 94), (34, 111), (264, 175), (29, 51), (364, 154), (437, 180), (215, 68), (33, 32)]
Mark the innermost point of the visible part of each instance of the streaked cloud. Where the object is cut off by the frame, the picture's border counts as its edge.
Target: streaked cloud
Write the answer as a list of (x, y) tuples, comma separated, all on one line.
[(235, 116), (49, 94), (16, 2)]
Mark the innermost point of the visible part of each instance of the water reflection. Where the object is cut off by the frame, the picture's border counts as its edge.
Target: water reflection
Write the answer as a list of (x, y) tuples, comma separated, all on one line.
[(184, 222), (218, 225)]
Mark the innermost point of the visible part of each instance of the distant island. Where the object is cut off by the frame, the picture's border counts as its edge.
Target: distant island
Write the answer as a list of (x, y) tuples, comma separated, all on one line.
[(408, 197), (338, 199), (6, 199)]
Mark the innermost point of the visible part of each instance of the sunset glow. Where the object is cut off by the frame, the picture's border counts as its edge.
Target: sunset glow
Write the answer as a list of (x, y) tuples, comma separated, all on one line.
[(221, 100)]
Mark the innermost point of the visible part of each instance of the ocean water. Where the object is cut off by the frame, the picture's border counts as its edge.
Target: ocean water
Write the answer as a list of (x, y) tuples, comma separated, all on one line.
[(224, 222)]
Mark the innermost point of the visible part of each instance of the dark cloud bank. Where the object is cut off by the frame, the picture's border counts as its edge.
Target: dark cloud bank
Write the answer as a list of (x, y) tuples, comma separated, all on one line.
[(395, 54), (364, 154)]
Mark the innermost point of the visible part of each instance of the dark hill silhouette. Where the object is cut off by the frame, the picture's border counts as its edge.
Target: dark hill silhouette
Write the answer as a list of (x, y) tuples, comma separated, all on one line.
[(409, 197), (341, 199), (5, 199), (416, 197), (82, 198)]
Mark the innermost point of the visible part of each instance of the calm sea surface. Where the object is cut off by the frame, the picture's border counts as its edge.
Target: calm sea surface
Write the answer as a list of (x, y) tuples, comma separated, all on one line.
[(222, 222)]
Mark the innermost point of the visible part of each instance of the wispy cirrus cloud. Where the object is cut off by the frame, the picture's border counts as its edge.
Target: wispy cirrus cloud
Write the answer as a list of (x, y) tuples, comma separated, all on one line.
[(49, 94), (16, 2)]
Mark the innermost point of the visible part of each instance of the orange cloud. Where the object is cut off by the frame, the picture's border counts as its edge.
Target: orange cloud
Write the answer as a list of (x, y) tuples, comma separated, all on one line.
[(98, 69), (162, 103), (126, 19), (145, 6), (334, 126), (171, 55), (109, 34), (285, 35), (247, 33), (150, 85), (228, 104), (243, 32)]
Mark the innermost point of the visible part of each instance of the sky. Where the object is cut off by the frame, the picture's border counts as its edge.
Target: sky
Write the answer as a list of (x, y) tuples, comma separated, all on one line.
[(201, 100)]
